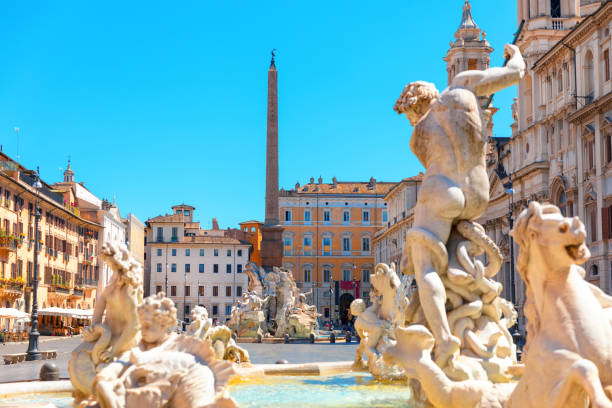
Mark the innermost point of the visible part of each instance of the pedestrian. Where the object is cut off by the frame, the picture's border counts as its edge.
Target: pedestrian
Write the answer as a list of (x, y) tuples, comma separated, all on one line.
[(2, 339)]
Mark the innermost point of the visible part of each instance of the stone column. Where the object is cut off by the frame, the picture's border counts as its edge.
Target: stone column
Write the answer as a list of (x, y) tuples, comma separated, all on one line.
[(271, 245)]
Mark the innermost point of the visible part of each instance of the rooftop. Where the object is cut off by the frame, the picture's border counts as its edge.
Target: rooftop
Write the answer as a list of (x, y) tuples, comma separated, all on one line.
[(371, 187)]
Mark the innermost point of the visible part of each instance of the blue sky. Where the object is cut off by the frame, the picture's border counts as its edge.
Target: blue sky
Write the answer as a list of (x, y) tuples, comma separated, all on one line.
[(159, 103)]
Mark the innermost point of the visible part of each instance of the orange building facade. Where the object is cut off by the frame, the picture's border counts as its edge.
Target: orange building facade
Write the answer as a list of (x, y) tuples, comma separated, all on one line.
[(328, 230), (252, 229)]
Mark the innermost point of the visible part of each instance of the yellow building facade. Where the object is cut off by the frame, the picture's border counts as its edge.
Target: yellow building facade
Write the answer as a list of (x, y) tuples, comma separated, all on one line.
[(68, 246), (328, 230)]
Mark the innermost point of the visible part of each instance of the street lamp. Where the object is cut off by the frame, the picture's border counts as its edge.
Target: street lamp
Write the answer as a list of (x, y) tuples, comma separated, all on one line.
[(516, 335), (33, 352), (510, 191)]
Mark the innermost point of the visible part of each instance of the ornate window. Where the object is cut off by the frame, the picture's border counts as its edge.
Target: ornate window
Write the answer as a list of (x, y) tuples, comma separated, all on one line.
[(562, 202), (588, 74)]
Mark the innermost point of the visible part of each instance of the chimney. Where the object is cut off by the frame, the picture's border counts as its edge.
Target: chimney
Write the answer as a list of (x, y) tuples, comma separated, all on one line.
[(312, 180), (215, 224)]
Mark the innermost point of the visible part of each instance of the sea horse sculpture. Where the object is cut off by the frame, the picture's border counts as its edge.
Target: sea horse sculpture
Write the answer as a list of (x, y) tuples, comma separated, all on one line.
[(569, 358)]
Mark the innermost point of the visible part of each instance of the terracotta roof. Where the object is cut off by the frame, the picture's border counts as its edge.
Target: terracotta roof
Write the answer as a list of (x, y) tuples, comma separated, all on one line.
[(418, 177), (345, 188), (250, 222), (168, 218), (183, 206)]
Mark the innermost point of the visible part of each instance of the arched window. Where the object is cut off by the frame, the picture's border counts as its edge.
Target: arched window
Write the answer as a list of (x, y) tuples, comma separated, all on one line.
[(594, 271), (562, 202), (589, 81)]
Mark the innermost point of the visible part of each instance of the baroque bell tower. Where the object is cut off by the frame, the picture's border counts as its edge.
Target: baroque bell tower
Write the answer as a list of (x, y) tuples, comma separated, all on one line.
[(470, 50)]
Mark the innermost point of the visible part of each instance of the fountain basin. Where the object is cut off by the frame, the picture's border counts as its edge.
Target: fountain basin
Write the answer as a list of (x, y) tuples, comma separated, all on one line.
[(287, 385)]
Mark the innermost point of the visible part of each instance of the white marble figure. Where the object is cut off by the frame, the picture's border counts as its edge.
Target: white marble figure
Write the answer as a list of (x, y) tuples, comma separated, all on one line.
[(375, 323), (115, 332), (568, 361), (165, 369), (569, 338), (450, 140), (220, 336), (282, 311)]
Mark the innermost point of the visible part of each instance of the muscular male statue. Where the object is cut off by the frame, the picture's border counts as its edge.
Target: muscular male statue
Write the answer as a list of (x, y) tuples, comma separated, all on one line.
[(450, 140)]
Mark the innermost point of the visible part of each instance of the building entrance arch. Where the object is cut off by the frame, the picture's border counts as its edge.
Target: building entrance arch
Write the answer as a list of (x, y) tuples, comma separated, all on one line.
[(345, 304)]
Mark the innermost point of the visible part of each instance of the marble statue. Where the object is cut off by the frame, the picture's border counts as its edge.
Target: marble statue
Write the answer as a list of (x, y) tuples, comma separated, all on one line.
[(220, 336), (115, 327), (568, 356), (450, 140), (165, 369), (568, 352), (374, 324), (274, 305), (130, 357)]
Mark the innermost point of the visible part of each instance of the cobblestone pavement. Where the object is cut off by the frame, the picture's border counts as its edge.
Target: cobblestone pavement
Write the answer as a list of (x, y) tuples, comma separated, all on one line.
[(260, 354), (29, 370)]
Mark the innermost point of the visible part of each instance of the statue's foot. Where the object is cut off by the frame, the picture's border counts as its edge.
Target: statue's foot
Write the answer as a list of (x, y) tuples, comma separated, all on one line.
[(444, 351)]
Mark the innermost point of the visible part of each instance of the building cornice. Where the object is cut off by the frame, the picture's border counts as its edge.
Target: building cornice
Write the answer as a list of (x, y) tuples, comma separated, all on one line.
[(600, 105), (530, 168), (47, 200)]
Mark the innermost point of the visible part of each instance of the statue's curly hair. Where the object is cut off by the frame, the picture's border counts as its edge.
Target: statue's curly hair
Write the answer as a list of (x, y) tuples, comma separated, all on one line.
[(416, 96), (161, 307)]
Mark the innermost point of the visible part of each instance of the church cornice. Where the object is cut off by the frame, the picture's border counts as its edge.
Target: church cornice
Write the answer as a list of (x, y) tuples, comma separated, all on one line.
[(530, 168)]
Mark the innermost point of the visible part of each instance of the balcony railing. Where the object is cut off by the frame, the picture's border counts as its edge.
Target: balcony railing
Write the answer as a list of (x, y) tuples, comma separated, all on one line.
[(11, 285), (88, 258), (9, 242), (73, 209), (557, 23), (90, 282), (59, 289)]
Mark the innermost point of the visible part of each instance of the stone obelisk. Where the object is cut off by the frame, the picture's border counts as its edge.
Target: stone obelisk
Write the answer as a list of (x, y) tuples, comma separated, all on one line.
[(271, 244)]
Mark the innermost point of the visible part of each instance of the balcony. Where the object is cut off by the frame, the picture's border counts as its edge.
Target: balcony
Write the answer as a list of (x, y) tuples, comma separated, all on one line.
[(73, 209), (11, 285), (10, 242), (556, 23), (90, 282), (88, 258), (57, 288)]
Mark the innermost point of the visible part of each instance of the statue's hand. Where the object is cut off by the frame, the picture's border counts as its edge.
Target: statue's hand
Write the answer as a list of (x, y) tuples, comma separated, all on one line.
[(106, 355), (510, 50)]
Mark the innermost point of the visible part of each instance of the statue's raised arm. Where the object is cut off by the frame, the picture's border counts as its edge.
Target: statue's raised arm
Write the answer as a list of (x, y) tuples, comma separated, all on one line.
[(492, 80)]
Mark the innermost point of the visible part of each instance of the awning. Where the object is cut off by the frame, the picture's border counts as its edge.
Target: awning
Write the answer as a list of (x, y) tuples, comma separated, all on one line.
[(74, 313), (10, 312)]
